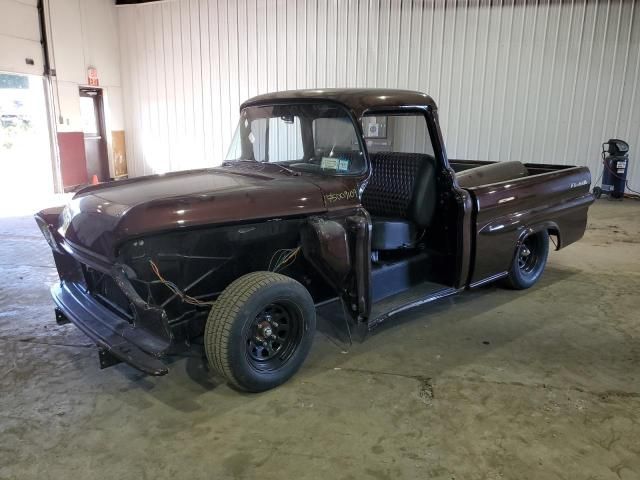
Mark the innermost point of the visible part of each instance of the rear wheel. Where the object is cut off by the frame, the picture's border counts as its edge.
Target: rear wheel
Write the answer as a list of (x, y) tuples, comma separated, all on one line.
[(529, 262), (260, 330)]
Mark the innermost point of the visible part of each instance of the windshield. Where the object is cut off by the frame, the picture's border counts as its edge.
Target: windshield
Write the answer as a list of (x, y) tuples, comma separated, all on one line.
[(315, 138)]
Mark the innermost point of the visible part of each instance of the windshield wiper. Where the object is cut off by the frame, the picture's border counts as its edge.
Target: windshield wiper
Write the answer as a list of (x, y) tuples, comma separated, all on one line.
[(229, 163), (288, 170)]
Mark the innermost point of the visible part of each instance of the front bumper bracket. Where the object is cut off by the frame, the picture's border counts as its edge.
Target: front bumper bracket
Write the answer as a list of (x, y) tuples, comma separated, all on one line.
[(106, 358), (114, 335)]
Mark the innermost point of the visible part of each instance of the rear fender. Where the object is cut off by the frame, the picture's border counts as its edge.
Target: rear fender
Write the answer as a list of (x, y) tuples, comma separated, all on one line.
[(507, 211), (550, 227)]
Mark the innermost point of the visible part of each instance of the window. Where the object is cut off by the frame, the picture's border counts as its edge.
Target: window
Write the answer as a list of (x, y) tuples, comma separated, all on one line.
[(88, 115), (313, 138), (398, 133), (285, 139), (332, 133), (279, 137)]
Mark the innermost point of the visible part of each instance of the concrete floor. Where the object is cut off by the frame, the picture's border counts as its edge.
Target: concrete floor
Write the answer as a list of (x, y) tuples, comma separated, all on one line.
[(493, 384)]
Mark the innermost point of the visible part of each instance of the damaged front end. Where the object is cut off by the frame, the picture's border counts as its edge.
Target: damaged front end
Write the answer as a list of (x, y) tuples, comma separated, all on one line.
[(153, 297), (98, 296)]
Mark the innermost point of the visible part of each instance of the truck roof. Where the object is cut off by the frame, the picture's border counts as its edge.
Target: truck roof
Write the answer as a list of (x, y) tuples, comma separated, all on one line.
[(358, 100)]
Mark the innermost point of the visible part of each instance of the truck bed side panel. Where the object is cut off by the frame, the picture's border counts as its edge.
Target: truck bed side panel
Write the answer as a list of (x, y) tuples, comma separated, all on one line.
[(505, 212), (534, 168)]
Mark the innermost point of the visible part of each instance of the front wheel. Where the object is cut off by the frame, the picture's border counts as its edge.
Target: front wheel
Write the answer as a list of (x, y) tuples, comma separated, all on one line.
[(529, 262), (260, 330)]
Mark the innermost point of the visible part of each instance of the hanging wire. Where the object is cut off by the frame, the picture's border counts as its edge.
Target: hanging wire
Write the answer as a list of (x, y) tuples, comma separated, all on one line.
[(174, 288), (282, 258)]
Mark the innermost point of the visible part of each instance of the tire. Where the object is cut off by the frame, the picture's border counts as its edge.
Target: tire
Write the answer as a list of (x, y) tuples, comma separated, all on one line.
[(260, 331), (526, 268)]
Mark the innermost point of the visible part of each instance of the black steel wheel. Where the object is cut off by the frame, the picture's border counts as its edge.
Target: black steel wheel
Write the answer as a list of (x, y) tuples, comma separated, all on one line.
[(529, 262), (260, 330), (528, 254), (274, 335)]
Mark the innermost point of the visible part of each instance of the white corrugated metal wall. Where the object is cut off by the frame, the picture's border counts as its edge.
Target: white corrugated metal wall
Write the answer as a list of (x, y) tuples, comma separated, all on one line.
[(537, 81)]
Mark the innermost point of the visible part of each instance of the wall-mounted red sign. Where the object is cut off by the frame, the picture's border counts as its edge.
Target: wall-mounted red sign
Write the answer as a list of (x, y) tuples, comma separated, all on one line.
[(92, 76)]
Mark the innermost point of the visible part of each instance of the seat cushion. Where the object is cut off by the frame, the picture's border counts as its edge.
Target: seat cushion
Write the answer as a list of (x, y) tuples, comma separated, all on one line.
[(391, 233)]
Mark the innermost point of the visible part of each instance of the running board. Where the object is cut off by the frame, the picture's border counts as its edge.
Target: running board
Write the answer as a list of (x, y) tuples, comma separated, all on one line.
[(401, 302)]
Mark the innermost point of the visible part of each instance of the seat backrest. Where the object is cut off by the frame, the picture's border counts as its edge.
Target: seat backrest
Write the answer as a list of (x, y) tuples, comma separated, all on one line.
[(402, 185)]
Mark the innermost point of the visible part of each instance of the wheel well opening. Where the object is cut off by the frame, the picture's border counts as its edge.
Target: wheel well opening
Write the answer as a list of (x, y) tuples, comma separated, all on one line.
[(554, 236)]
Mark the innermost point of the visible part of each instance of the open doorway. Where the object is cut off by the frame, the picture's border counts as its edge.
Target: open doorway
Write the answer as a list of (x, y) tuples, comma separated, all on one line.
[(26, 162), (93, 128)]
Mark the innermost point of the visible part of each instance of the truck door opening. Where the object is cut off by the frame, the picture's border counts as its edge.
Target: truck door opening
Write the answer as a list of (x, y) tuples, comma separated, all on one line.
[(402, 197)]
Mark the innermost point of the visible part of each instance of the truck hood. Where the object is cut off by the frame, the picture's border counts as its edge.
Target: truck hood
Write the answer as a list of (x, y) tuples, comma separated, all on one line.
[(100, 217)]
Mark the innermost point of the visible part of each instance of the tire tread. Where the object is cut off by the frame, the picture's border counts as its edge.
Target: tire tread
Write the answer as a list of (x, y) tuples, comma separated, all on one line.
[(512, 281), (224, 313)]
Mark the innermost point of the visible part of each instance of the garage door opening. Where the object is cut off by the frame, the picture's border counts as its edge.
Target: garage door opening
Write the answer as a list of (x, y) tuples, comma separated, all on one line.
[(26, 167)]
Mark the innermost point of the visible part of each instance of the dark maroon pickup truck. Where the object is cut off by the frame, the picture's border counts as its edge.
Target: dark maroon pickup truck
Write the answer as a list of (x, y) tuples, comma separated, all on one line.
[(325, 196)]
